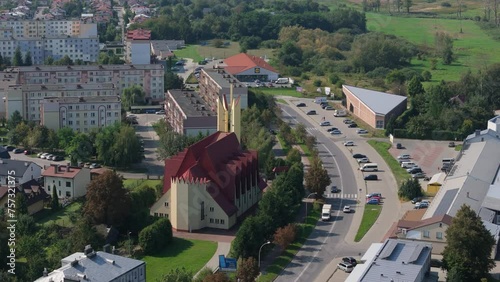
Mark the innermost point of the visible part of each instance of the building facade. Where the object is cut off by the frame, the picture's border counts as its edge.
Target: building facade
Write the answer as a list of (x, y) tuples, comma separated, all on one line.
[(33, 192), (188, 114), (138, 47), (55, 39), (28, 98), (249, 68), (214, 83), (22, 171), (70, 182), (80, 113)]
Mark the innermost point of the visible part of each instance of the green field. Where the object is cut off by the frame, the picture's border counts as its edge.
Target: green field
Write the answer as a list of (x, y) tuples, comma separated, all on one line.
[(190, 254), (136, 183), (382, 149), (198, 52), (370, 215), (61, 217), (473, 48), (190, 51)]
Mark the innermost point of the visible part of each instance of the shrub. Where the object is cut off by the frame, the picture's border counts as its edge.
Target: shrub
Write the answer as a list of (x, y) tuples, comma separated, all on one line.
[(426, 75), (334, 78), (284, 236), (445, 4), (317, 83), (410, 189), (156, 236)]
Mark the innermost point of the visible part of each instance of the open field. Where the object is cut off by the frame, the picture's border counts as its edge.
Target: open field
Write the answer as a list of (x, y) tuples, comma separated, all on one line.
[(61, 217), (473, 48), (190, 254), (198, 52), (370, 215)]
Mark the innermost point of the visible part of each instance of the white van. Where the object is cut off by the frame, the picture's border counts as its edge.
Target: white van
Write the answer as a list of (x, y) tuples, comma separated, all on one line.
[(408, 164), (282, 80), (448, 160), (369, 167)]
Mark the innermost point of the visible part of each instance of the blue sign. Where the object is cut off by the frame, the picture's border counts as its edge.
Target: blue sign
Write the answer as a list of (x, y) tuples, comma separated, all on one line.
[(227, 264)]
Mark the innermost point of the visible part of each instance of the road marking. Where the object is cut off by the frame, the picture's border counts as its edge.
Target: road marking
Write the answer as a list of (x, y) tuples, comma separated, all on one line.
[(343, 196)]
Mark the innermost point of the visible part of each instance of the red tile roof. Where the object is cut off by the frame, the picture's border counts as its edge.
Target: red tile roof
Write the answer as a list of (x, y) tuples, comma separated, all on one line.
[(139, 34), (62, 171), (219, 161), (242, 62)]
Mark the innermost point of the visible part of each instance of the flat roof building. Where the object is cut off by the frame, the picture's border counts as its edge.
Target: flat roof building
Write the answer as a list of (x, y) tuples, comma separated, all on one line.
[(248, 68), (217, 82), (138, 46)]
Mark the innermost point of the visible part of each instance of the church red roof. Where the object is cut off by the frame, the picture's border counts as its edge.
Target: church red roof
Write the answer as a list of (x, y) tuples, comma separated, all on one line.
[(219, 161), (242, 62)]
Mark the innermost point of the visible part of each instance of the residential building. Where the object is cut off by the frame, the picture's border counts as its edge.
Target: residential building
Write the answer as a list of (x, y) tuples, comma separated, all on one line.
[(212, 183), (6, 80), (33, 192), (373, 107), (80, 113), (50, 38), (28, 98), (138, 47), (70, 182), (215, 83), (188, 114), (394, 260), (163, 49), (22, 171), (248, 68), (96, 266), (4, 154)]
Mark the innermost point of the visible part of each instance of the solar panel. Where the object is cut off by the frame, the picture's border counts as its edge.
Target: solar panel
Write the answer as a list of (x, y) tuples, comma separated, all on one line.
[(446, 202), (389, 248)]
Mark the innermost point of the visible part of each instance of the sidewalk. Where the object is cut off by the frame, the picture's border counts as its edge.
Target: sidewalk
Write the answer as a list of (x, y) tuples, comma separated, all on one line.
[(223, 248)]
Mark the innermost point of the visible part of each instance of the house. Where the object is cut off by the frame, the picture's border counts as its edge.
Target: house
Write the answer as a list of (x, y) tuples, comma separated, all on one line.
[(212, 183), (435, 183), (69, 181), (34, 193), (96, 266), (21, 171), (373, 107), (4, 153), (248, 68), (394, 260)]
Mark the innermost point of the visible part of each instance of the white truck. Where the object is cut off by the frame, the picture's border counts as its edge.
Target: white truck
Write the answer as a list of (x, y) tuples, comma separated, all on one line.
[(326, 213), (340, 113)]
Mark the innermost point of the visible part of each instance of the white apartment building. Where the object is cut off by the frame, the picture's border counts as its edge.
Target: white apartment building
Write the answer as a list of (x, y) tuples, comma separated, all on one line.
[(149, 77), (28, 98), (56, 39), (138, 46), (80, 113)]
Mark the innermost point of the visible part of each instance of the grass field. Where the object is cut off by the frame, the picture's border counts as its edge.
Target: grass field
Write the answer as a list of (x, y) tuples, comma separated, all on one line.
[(370, 215), (60, 217), (286, 257), (190, 254), (190, 51), (473, 48), (198, 52), (136, 183), (382, 149)]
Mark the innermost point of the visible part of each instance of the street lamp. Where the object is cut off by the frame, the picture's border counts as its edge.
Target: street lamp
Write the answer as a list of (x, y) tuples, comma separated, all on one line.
[(260, 249), (129, 244), (306, 204)]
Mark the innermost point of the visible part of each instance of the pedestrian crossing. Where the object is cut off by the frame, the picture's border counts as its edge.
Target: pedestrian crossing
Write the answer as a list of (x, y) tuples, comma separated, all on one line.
[(340, 196), (311, 129)]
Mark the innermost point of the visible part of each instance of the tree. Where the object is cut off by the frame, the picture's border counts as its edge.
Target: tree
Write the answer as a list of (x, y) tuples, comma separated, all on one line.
[(21, 204), (177, 275), (172, 81), (155, 237), (141, 199), (17, 60), (83, 234), (317, 178), (14, 120), (65, 136), (216, 277), (410, 189), (415, 87), (80, 148), (408, 4), (53, 140), (54, 202), (64, 61), (48, 61), (107, 201), (293, 156), (247, 269), (300, 132), (19, 135), (426, 75), (249, 237), (26, 225), (467, 254), (217, 43), (27, 59), (290, 54), (284, 236), (444, 47), (132, 96)]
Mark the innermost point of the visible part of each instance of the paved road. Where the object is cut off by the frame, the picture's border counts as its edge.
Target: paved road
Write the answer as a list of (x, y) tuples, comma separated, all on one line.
[(316, 260)]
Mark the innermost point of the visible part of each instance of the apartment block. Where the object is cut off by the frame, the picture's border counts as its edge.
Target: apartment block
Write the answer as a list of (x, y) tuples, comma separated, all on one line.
[(138, 46), (28, 98), (216, 82), (188, 114), (149, 77), (80, 113), (56, 39)]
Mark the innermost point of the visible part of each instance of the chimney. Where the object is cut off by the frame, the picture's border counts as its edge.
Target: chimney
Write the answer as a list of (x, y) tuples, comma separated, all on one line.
[(110, 261), (45, 272), (88, 249), (478, 132), (107, 248), (55, 167)]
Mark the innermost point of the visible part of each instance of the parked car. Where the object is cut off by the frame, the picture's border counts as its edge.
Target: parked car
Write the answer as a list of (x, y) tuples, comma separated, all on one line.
[(399, 146), (334, 189), (371, 177), (349, 143), (416, 200), (363, 160), (44, 155), (378, 195), (312, 112), (348, 121), (331, 129), (422, 205), (347, 267), (362, 131), (451, 144), (352, 125), (58, 158), (414, 170), (404, 157), (17, 151), (325, 123), (10, 148), (418, 175), (346, 209), (409, 169), (301, 105), (328, 108), (94, 165), (39, 154), (373, 201), (358, 156), (28, 152), (336, 132), (350, 260), (161, 112)]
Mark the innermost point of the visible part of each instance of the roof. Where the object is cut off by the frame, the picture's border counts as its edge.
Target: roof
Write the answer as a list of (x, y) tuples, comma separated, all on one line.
[(191, 103), (4, 154), (139, 34), (215, 160), (243, 61), (19, 167), (49, 68), (399, 260), (100, 170), (222, 78), (101, 267), (33, 191), (438, 178), (62, 171), (379, 102)]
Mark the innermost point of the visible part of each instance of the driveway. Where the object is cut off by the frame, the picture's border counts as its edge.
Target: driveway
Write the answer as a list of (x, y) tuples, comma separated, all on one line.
[(151, 143)]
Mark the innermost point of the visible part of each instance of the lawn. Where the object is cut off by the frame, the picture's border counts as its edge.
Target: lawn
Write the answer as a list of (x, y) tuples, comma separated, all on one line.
[(474, 48), (61, 217), (190, 51), (281, 101), (136, 183), (198, 52), (286, 257), (458, 147), (370, 215), (292, 92), (382, 149), (190, 254)]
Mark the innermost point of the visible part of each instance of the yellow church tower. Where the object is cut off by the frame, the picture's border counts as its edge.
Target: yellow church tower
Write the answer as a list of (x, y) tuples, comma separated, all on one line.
[(229, 114)]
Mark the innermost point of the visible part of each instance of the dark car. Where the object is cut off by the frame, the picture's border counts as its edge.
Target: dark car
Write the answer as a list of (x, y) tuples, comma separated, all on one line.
[(332, 129), (301, 105), (350, 260), (352, 125), (399, 146), (358, 156), (451, 144), (416, 200), (415, 170), (313, 112), (58, 158), (371, 177), (334, 189), (17, 151), (10, 148)]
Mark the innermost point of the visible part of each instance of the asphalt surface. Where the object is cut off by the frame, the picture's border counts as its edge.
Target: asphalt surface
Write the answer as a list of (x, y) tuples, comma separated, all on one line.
[(317, 259)]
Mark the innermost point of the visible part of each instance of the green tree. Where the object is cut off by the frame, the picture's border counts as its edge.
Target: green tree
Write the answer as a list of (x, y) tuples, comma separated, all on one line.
[(415, 87), (54, 201), (27, 59), (132, 96), (467, 254), (300, 132), (444, 47), (155, 237), (177, 275), (426, 75), (408, 4), (141, 199), (317, 178), (26, 225), (21, 204), (48, 61), (17, 60), (172, 81), (293, 156), (290, 54), (19, 135), (65, 136), (410, 189), (80, 148), (14, 120), (216, 277), (83, 234), (247, 269), (249, 238), (107, 201), (53, 140)]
